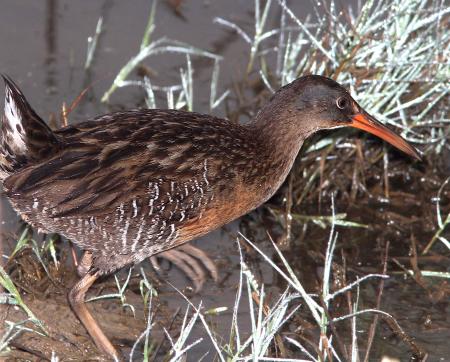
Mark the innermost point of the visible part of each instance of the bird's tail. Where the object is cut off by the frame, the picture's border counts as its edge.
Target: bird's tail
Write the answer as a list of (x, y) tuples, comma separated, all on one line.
[(24, 136)]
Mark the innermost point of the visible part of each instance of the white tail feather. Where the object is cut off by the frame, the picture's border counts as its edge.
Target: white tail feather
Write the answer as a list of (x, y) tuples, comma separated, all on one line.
[(15, 127)]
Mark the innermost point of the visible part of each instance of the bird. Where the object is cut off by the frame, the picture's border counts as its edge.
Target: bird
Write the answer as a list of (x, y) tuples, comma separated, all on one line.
[(135, 184)]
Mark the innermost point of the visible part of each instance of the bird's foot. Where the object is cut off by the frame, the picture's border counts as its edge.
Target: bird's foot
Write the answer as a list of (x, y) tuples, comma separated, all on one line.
[(190, 260)]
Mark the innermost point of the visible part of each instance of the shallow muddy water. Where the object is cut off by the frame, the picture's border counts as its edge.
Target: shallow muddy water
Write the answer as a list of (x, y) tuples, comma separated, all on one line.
[(43, 48)]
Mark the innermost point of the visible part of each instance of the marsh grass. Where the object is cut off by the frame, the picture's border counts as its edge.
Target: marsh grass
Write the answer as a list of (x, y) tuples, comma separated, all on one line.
[(11, 330), (393, 55), (92, 44), (442, 223), (165, 45), (15, 298), (267, 338)]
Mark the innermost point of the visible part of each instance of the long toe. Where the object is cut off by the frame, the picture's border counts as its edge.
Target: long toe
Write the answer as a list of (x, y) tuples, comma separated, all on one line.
[(208, 263), (188, 265), (155, 263)]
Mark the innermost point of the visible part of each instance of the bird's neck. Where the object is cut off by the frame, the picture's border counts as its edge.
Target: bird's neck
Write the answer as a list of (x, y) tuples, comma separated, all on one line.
[(280, 140)]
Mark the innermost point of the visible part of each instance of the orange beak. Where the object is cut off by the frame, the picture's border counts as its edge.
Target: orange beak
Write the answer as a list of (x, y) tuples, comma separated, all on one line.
[(369, 124)]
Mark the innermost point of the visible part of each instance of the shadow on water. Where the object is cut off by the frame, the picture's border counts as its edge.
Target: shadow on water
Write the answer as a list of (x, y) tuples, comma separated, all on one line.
[(46, 55)]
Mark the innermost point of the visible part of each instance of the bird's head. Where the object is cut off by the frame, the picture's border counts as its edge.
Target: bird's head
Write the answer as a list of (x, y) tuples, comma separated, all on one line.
[(312, 103)]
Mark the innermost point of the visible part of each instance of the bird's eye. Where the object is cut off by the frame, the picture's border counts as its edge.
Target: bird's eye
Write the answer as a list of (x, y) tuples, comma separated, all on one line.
[(342, 102)]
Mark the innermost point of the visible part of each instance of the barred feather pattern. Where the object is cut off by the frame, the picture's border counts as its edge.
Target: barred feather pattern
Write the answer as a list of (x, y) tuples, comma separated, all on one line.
[(131, 184)]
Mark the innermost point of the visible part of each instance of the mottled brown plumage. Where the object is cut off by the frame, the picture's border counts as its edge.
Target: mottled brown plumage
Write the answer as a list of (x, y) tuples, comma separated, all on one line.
[(129, 185), (132, 184)]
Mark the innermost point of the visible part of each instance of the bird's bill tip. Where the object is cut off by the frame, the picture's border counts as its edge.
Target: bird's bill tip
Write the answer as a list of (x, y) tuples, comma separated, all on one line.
[(367, 123)]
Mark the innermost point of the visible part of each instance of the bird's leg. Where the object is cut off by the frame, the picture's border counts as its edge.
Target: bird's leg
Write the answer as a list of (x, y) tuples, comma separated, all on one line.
[(189, 259), (76, 300), (74, 255), (84, 264)]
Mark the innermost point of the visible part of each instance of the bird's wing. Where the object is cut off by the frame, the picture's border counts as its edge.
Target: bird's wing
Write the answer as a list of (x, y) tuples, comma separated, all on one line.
[(103, 166)]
